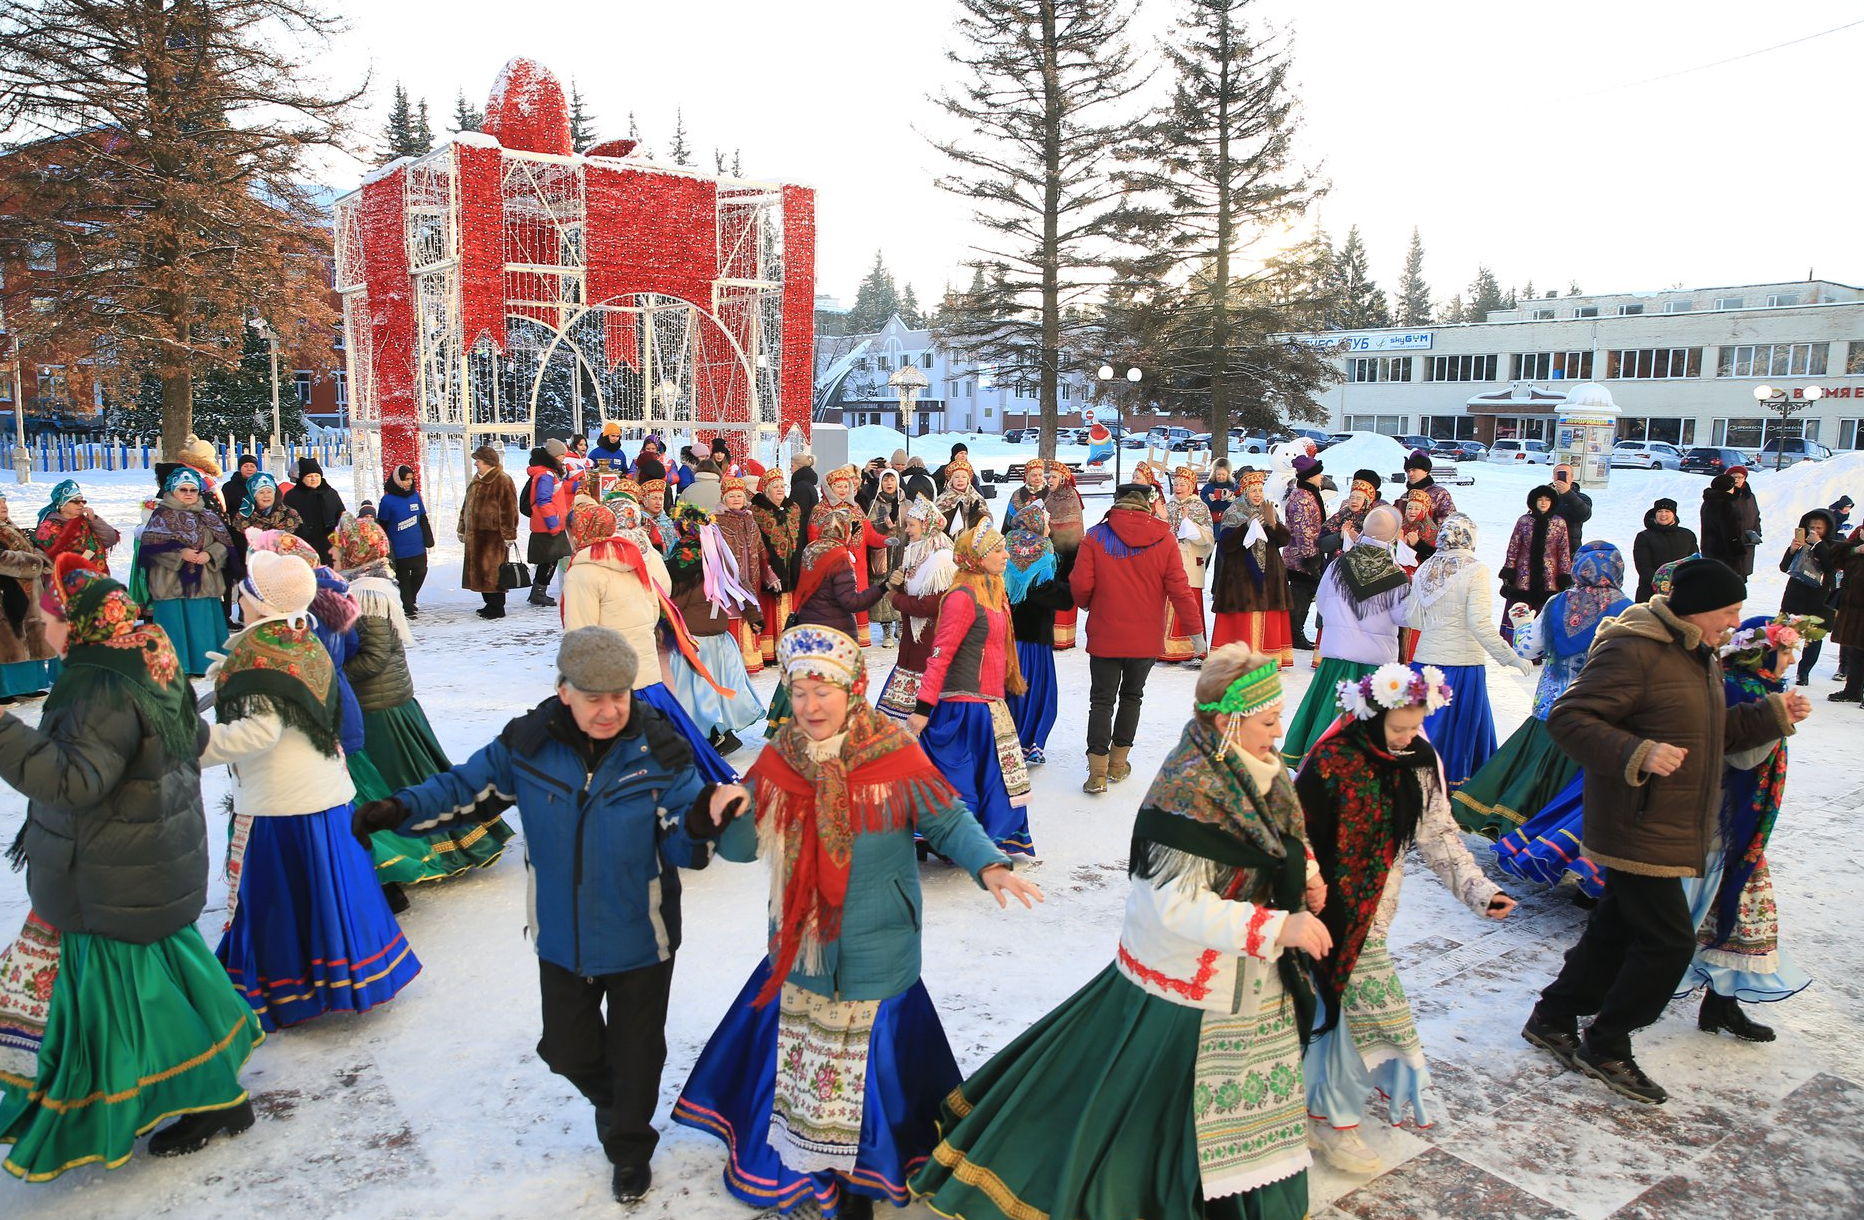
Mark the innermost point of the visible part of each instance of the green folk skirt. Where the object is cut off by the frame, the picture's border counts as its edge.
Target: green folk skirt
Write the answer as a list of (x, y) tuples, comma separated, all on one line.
[(412, 859), (134, 1035), (1320, 707), (402, 745), (1088, 1114), (1515, 783)]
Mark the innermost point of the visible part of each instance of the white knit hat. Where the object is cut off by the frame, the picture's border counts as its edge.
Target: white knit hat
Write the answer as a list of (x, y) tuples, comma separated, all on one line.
[(283, 585)]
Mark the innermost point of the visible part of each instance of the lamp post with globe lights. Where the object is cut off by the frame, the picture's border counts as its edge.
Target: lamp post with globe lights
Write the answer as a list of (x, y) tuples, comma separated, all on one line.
[(1107, 377), (264, 330), (908, 382), (1786, 403)]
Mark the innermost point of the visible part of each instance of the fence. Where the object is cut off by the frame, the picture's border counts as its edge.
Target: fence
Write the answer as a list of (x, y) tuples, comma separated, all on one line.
[(60, 455)]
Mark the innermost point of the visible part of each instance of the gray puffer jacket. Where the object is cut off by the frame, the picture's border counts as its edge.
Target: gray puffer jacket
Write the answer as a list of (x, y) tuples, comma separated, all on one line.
[(116, 843), (378, 673)]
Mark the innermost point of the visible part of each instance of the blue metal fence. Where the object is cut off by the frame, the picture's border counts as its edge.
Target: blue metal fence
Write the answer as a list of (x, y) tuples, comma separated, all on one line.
[(62, 455)]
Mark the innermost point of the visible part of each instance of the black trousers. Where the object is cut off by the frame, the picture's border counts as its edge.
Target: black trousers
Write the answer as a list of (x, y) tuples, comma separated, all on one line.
[(1628, 962), (410, 575), (540, 579), (1112, 680), (1300, 600), (1853, 661), (614, 1058)]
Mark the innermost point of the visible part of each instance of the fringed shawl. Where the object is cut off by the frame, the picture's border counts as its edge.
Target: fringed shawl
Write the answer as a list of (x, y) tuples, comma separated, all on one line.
[(279, 666), (1368, 577)]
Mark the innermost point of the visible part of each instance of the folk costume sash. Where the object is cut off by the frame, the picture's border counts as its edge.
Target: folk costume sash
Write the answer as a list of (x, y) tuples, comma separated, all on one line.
[(808, 813), (1750, 804), (1363, 805)]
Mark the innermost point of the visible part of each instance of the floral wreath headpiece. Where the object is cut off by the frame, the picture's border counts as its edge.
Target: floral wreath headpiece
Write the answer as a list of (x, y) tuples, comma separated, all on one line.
[(1256, 691), (1393, 686), (1748, 647)]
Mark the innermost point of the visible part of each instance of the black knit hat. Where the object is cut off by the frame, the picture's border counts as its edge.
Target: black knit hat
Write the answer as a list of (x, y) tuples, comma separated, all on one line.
[(1666, 502), (308, 465), (960, 447), (1418, 460), (1702, 584)]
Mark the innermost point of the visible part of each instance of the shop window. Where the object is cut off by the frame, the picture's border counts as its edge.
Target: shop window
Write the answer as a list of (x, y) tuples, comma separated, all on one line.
[(1552, 366), (1654, 362), (1774, 360), (1462, 368)]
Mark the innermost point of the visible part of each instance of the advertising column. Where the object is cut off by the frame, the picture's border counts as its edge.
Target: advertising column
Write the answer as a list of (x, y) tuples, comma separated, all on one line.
[(1586, 429)]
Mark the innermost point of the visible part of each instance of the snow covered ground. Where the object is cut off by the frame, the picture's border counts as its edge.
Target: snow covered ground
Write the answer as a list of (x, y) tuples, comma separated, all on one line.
[(436, 1105)]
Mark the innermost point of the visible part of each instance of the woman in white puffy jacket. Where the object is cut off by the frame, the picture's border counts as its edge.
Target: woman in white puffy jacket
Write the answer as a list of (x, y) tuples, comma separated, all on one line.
[(1453, 611)]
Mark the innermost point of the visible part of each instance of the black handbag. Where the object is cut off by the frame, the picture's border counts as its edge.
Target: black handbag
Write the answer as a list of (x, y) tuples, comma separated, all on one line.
[(513, 573)]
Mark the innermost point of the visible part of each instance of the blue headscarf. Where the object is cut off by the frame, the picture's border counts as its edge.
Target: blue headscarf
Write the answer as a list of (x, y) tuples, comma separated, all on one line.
[(1032, 556), (181, 476), (63, 494), (1573, 617), (250, 500)]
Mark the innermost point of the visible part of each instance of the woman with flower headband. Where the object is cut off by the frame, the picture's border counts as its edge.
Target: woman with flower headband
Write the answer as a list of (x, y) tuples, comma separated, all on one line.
[(1530, 769), (1170, 1085), (960, 716), (1453, 613), (824, 1079), (1249, 589), (1067, 526), (184, 550), (113, 1014), (706, 595), (1189, 518), (1372, 788), (1738, 954), (1362, 599), (926, 572), (1037, 592), (308, 929)]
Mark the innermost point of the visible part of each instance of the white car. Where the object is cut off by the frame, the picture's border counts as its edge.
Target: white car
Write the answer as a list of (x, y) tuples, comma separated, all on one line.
[(1508, 453), (1649, 455)]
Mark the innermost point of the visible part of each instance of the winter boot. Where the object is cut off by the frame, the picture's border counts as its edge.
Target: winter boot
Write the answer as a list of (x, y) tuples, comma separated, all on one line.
[(1559, 1038), (855, 1207), (1342, 1147), (1721, 1012), (1117, 766), (191, 1133), (1622, 1076), (631, 1182), (1096, 774)]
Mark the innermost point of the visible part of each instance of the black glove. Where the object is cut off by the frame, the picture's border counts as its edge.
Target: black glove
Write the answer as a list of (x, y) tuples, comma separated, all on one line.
[(373, 816), (699, 818)]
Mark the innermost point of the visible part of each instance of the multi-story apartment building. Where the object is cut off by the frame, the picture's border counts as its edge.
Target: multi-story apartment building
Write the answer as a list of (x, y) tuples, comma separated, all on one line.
[(1682, 364)]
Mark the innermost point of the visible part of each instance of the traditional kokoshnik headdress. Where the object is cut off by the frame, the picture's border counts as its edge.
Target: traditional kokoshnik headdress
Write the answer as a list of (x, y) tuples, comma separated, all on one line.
[(1256, 691), (822, 654)]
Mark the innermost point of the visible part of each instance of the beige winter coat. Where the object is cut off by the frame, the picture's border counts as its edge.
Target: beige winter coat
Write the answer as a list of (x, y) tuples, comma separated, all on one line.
[(604, 591)]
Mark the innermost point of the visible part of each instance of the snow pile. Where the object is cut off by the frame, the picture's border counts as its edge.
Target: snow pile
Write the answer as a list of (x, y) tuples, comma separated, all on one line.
[(1364, 451)]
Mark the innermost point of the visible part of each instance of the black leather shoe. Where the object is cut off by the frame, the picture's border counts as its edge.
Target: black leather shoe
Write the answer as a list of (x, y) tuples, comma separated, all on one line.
[(191, 1133), (1839, 696), (1561, 1039), (855, 1207), (1720, 1012), (632, 1182)]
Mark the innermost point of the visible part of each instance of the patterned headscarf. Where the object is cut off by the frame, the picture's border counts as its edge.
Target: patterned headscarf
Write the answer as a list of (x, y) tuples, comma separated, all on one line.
[(1666, 575), (179, 477), (1597, 594), (249, 503), (589, 524), (359, 547), (1456, 550), (64, 493), (822, 654), (1032, 555)]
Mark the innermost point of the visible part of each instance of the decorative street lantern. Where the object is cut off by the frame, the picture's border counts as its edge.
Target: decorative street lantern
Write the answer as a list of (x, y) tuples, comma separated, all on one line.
[(907, 383)]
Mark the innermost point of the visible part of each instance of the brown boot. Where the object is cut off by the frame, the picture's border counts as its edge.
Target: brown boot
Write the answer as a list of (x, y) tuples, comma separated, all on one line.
[(1117, 766), (1096, 774)]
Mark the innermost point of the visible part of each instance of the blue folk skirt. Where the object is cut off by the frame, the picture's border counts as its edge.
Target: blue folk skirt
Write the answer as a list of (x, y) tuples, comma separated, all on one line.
[(910, 1070), (712, 768), (196, 626), (1546, 847), (1034, 712), (25, 678), (312, 932), (962, 743), (710, 710), (1463, 734)]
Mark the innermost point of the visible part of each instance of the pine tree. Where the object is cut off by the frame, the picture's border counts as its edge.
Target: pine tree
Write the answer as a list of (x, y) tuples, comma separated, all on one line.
[(1485, 294), (1042, 81), (910, 313), (398, 135), (582, 123), (423, 131), (1216, 170), (1572, 288), (1361, 303), (640, 146), (737, 164), (1453, 312), (165, 148), (681, 152), (875, 301), (1413, 292), (1528, 293), (465, 118), (718, 162)]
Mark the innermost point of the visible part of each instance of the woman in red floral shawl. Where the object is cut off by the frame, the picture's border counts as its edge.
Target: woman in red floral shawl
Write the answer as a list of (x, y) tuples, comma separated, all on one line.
[(67, 526), (836, 1021)]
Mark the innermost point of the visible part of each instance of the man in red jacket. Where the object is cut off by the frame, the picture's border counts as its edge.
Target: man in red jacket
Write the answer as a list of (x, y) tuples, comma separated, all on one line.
[(1129, 566)]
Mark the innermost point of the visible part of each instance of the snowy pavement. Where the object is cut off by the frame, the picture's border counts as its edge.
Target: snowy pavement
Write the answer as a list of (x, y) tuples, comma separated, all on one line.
[(436, 1104)]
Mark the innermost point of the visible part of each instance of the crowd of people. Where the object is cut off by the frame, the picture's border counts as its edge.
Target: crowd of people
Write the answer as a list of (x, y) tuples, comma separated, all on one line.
[(1251, 1011)]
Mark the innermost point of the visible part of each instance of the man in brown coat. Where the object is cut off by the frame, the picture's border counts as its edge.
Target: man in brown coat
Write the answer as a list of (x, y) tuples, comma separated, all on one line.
[(489, 528), (1648, 720)]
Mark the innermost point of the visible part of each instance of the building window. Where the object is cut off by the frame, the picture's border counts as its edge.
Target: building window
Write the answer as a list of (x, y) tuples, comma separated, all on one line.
[(1586, 311), (1737, 433), (1777, 299), (1390, 425), (1379, 368), (1677, 306), (41, 256), (337, 343), (1654, 362), (1552, 366), (1629, 311), (883, 363), (1448, 427), (1543, 315), (1670, 431), (6, 389), (1520, 428), (1854, 362), (1850, 434), (50, 379), (342, 381), (43, 305), (925, 360), (1462, 368), (1730, 303), (1773, 360), (302, 379)]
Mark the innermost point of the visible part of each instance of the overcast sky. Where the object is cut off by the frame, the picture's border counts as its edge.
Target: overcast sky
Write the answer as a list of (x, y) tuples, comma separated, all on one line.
[(1527, 136)]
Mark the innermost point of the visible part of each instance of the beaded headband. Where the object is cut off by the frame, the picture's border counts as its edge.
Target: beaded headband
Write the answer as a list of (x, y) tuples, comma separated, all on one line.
[(1256, 691), (972, 548)]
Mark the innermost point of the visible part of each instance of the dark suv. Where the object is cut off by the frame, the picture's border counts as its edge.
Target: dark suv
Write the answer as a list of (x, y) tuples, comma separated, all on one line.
[(1714, 460)]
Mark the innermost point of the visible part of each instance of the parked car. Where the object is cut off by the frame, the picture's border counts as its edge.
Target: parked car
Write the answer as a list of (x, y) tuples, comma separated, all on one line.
[(1649, 455), (1510, 452), (1135, 441), (1461, 451), (1416, 442), (1023, 436), (1713, 459), (1163, 437), (1313, 434), (1783, 450)]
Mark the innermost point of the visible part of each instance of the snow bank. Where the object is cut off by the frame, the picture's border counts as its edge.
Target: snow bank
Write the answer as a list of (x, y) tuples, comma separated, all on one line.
[(1364, 451)]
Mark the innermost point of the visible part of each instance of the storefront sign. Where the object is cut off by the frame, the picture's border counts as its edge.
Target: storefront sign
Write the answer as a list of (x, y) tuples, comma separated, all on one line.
[(1382, 341)]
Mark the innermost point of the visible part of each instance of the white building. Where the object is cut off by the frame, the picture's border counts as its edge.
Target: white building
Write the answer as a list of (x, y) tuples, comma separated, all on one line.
[(1682, 364), (851, 385)]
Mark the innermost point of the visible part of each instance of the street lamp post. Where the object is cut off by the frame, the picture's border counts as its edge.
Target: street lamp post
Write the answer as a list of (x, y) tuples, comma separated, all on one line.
[(907, 382), (1106, 375), (264, 330), (1778, 399), (22, 457)]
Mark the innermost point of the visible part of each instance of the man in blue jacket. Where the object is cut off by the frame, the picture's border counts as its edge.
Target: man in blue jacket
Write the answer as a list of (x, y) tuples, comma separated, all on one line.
[(612, 810), (403, 517)]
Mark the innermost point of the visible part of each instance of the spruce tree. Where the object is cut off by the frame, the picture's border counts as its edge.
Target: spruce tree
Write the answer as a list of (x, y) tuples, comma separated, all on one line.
[(1528, 293), (1413, 292), (398, 135), (680, 153), (1485, 294), (582, 123), (1039, 102), (640, 146), (910, 312), (875, 301), (465, 118), (1361, 303), (1453, 311), (423, 131)]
